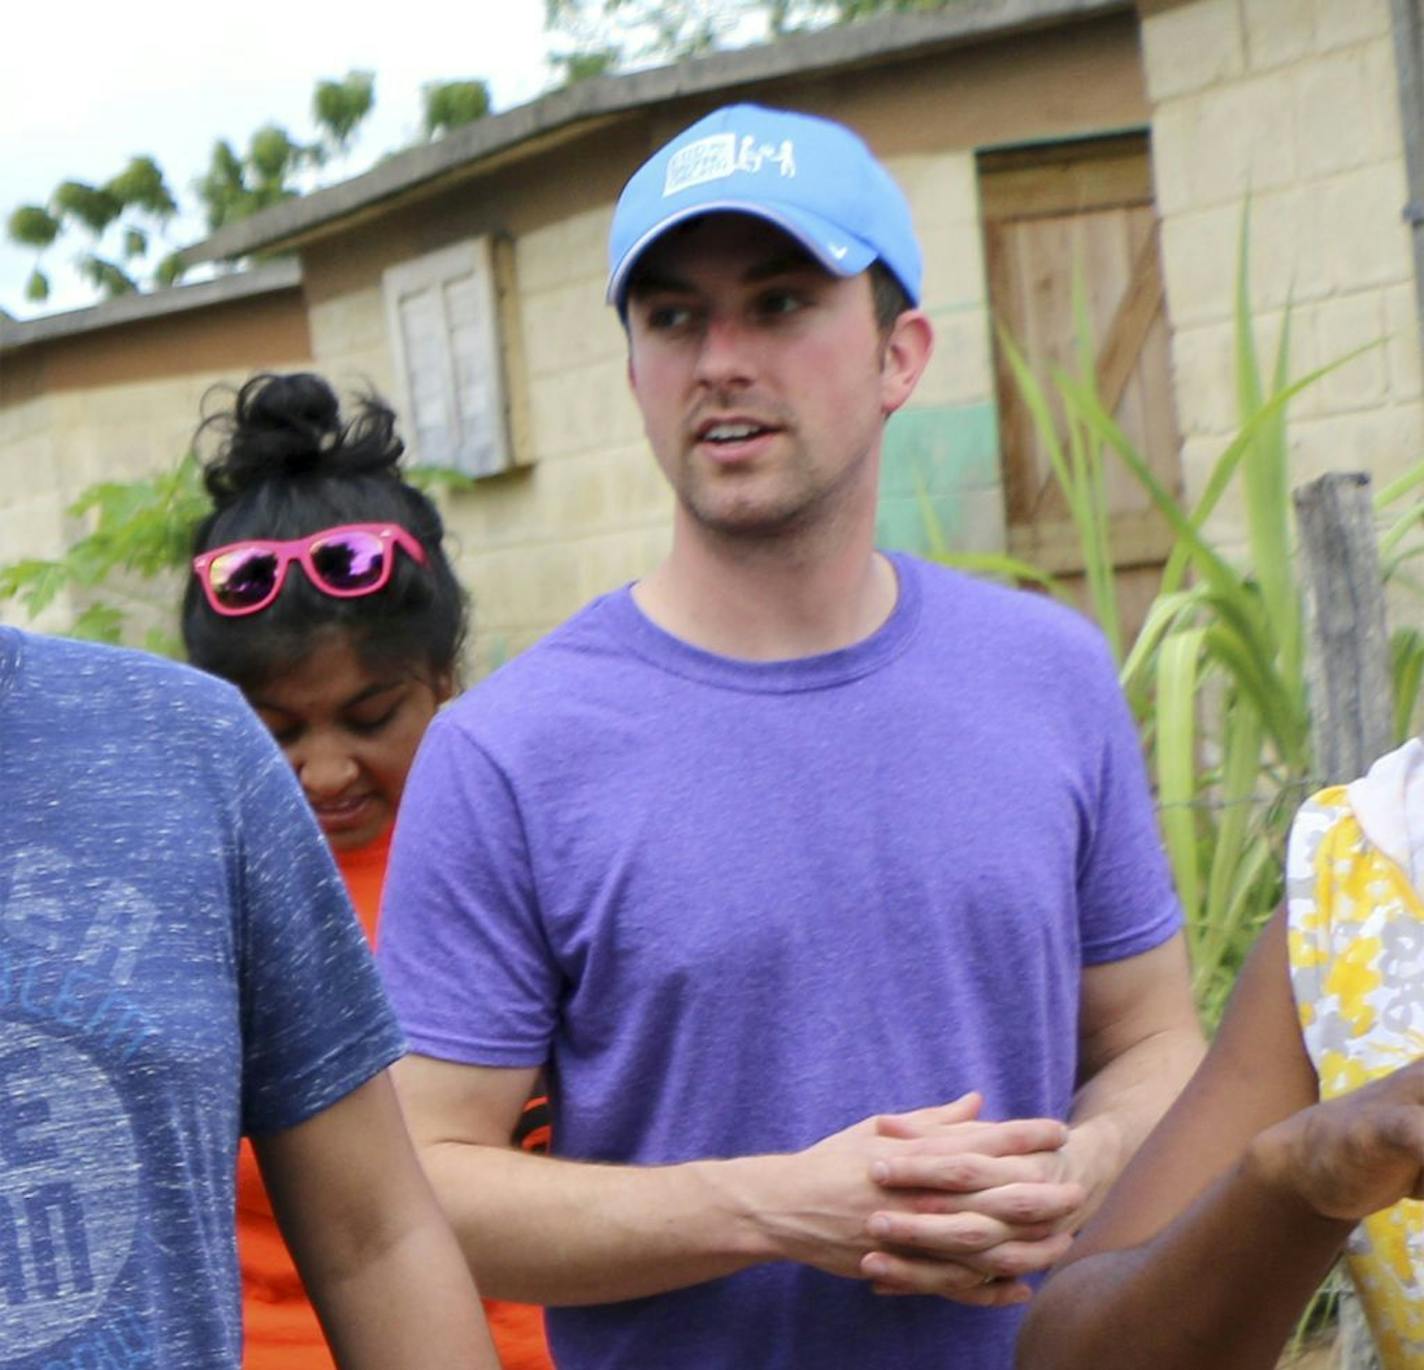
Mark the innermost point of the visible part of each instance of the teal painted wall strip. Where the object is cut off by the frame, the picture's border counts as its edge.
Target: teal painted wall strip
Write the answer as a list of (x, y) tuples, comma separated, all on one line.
[(951, 453)]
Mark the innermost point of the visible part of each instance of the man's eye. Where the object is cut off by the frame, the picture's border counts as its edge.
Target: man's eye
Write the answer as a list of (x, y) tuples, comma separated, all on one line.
[(666, 317), (775, 303)]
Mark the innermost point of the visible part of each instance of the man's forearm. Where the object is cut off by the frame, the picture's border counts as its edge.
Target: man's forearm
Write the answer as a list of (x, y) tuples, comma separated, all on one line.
[(1115, 1110), (539, 1230), (1193, 1298)]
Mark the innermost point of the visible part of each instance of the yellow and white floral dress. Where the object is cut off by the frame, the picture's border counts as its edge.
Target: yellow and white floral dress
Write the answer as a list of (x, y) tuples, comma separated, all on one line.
[(1353, 875)]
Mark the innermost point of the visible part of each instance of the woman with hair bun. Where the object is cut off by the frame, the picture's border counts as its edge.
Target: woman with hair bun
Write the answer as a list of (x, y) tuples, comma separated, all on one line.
[(321, 588)]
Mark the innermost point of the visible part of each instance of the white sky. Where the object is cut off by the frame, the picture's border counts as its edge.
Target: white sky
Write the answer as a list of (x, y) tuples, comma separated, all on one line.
[(84, 86)]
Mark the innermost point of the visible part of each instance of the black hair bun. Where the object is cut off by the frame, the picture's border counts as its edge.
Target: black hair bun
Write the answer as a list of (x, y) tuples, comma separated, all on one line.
[(283, 427)]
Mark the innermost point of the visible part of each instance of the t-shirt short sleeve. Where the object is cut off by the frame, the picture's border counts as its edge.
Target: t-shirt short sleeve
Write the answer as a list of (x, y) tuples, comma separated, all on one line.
[(315, 1020), (460, 913), (1127, 901)]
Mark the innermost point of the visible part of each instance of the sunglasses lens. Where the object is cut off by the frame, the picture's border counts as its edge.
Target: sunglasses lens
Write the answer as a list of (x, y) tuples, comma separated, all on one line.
[(243, 577), (349, 561)]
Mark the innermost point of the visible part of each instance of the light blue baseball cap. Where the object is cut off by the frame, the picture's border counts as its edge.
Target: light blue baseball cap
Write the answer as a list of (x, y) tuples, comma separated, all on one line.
[(811, 177)]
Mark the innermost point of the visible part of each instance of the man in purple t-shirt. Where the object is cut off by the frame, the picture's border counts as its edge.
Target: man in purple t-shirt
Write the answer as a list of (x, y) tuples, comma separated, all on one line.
[(823, 884)]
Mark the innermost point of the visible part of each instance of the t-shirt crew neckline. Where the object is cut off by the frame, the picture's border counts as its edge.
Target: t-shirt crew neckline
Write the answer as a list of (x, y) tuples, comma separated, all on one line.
[(662, 649)]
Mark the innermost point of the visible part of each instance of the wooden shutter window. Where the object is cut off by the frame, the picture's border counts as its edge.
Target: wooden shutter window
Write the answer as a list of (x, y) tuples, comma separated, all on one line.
[(442, 319)]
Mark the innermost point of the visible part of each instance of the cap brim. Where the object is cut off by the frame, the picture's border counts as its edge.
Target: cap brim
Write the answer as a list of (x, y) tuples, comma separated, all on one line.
[(839, 252)]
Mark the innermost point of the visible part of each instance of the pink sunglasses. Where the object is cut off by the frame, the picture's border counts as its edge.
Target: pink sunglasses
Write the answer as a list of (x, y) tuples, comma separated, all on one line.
[(346, 562)]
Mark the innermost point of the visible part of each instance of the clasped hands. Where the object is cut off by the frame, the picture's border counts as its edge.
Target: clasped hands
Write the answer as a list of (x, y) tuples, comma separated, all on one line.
[(935, 1202)]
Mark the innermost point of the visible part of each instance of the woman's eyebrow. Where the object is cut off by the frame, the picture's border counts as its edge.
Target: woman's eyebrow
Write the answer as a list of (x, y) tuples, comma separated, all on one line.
[(370, 692)]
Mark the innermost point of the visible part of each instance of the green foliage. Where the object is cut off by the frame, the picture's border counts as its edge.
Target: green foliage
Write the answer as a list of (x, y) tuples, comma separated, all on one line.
[(234, 188), (452, 104), (32, 226), (128, 204), (136, 205), (222, 185), (1406, 649), (169, 270), (272, 156), (592, 37), (96, 209), (140, 185), (135, 530), (339, 107), (108, 278), (1216, 675), (573, 67)]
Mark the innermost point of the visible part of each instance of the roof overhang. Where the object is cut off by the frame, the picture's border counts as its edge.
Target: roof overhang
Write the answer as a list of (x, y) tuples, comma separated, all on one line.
[(151, 304)]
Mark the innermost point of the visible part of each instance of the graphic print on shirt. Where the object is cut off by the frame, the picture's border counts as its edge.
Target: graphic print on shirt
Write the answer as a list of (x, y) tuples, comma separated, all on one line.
[(69, 1167)]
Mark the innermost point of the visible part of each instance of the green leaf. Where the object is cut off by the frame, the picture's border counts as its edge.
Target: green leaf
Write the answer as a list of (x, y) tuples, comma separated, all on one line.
[(574, 67), (32, 226), (34, 582), (1406, 651), (1010, 570), (452, 104), (170, 270), (429, 478), (339, 107), (99, 623), (272, 154), (1176, 760), (96, 209), (141, 185), (106, 276), (37, 287), (162, 643), (135, 243)]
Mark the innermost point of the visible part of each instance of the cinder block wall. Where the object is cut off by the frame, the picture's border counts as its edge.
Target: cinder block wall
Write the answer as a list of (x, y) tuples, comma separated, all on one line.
[(32, 501), (1293, 105)]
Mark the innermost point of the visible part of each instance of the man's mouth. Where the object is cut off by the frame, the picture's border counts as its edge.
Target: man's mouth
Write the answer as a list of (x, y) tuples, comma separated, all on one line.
[(726, 433)]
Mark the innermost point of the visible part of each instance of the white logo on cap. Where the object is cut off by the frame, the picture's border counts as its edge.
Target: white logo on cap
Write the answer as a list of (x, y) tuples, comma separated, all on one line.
[(838, 250), (718, 156)]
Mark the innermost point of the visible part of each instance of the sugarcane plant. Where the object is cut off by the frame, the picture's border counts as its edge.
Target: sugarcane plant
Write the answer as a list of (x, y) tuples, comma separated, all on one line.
[(1216, 674)]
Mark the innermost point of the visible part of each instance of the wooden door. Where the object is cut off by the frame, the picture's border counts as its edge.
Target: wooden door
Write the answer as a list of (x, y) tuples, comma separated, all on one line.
[(1047, 212)]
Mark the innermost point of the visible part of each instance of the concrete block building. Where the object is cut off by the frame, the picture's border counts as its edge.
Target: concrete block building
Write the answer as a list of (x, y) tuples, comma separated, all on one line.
[(1036, 139)]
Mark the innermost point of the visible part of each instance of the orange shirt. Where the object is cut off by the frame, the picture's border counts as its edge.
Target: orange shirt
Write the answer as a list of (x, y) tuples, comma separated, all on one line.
[(281, 1330)]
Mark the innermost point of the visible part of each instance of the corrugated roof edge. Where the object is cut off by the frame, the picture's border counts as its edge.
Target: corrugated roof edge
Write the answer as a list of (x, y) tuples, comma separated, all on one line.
[(810, 53), (150, 304)]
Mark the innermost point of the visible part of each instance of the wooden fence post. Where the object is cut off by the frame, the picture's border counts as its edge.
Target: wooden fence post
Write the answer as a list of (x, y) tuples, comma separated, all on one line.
[(1347, 642), (1347, 673)]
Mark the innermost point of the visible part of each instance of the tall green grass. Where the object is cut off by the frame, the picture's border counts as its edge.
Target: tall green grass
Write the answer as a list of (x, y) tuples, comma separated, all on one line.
[(1216, 675)]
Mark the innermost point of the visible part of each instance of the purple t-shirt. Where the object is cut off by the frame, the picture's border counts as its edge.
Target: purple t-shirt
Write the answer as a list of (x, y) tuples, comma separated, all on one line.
[(738, 906)]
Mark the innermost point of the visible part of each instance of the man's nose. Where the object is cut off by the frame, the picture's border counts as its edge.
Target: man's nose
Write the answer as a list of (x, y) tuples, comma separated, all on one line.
[(727, 355)]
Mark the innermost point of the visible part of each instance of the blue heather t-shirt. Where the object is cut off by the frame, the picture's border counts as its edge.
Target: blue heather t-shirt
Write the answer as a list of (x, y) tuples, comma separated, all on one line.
[(178, 964), (739, 906)]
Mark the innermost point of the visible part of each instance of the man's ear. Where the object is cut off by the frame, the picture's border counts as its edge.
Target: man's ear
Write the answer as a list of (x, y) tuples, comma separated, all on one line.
[(905, 354)]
